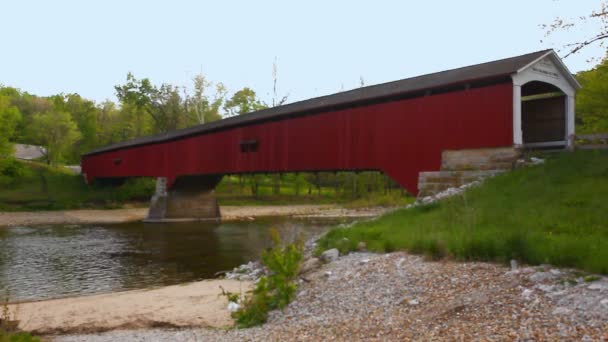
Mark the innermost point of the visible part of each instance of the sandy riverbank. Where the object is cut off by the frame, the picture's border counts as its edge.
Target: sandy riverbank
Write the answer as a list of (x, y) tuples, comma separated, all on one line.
[(196, 304), (129, 215)]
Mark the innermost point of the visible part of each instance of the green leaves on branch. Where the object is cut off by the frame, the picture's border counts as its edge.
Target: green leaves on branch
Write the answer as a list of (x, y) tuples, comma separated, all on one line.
[(242, 102), (57, 131), (592, 100), (276, 290), (9, 118)]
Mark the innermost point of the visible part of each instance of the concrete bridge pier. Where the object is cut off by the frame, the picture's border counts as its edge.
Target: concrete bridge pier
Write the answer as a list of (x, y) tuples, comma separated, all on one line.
[(191, 198)]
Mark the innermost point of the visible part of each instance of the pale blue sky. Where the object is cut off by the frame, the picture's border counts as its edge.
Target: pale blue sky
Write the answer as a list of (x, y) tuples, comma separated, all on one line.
[(87, 47)]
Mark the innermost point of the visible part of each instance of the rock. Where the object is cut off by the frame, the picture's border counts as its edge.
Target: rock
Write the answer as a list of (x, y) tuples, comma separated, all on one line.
[(539, 277), (556, 272), (330, 255), (233, 307), (363, 261), (546, 288), (310, 265), (413, 302), (604, 303), (526, 294), (513, 265), (328, 274), (536, 161), (361, 246), (598, 286)]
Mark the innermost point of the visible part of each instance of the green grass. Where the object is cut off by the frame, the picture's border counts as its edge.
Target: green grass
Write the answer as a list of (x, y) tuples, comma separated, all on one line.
[(42, 187), (230, 192), (555, 213), (17, 337)]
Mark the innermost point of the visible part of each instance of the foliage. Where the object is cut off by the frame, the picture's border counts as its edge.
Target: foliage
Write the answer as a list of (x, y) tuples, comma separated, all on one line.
[(599, 36), (166, 108), (276, 290), (57, 131), (553, 213), (44, 187), (9, 119), (6, 336), (365, 189), (201, 107), (10, 171), (35, 186), (242, 102), (592, 100)]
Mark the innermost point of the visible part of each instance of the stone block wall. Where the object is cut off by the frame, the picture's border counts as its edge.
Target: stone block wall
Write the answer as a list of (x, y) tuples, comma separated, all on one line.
[(465, 166), (430, 183), (479, 159), (192, 198)]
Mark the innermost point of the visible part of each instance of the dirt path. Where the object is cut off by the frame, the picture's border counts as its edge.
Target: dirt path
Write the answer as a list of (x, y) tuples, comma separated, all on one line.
[(128, 215), (195, 304)]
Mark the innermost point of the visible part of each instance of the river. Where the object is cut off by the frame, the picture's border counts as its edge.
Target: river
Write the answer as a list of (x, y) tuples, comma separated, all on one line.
[(42, 262)]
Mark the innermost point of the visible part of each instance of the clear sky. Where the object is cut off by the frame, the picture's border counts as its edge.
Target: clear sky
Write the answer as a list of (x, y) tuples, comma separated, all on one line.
[(87, 47)]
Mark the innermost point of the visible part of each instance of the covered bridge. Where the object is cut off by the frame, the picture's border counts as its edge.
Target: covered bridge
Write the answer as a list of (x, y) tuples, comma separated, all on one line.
[(402, 128)]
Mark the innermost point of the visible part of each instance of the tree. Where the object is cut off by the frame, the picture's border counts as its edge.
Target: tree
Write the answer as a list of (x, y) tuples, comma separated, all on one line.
[(242, 102), (56, 131), (275, 77), (201, 107), (592, 99), (600, 36), (135, 97), (108, 123), (166, 108), (9, 118), (84, 114)]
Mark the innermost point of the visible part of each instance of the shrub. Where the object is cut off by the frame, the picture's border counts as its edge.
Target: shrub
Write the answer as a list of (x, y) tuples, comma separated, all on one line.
[(277, 289), (10, 171)]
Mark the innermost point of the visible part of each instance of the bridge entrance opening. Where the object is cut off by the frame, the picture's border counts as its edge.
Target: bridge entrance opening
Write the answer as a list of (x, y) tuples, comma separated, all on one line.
[(543, 111)]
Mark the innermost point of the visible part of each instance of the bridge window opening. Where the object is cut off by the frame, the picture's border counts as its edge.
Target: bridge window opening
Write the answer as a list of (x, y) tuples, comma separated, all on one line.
[(543, 115), (249, 146)]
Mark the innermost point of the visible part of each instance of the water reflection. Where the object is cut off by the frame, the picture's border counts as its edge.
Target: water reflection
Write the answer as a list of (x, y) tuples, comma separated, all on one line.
[(63, 260)]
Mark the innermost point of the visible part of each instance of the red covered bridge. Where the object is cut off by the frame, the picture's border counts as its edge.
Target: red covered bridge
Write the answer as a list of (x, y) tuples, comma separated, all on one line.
[(400, 128)]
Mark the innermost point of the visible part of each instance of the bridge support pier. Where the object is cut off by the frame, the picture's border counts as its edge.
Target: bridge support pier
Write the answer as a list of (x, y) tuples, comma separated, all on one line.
[(191, 198)]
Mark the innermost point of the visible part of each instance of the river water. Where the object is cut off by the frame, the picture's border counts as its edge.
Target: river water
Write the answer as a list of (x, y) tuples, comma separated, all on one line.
[(70, 260)]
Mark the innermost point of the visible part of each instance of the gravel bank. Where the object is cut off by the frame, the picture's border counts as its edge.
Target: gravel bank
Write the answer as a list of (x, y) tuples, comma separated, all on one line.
[(398, 297)]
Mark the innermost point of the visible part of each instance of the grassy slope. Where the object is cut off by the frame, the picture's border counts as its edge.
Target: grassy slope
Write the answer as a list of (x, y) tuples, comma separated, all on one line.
[(555, 213), (41, 187)]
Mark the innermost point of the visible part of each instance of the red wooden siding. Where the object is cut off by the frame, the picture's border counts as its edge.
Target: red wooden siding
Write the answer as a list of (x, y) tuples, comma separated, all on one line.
[(401, 138)]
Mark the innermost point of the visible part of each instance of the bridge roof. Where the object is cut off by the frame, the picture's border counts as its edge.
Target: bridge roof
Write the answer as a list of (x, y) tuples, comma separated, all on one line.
[(409, 87)]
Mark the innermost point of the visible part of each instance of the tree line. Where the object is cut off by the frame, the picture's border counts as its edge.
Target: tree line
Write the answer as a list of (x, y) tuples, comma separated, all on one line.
[(68, 125)]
